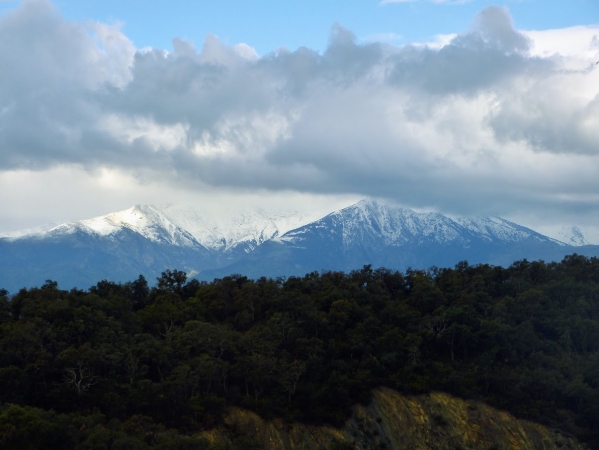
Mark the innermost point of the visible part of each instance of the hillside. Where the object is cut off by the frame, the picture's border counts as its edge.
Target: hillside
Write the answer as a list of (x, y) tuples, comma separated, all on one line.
[(392, 421), (123, 358)]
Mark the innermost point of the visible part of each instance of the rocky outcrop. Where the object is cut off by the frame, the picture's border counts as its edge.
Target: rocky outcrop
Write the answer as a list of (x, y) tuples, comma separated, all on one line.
[(394, 421)]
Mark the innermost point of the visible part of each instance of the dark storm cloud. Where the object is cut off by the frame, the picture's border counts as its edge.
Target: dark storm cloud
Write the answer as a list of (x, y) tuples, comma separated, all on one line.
[(466, 126)]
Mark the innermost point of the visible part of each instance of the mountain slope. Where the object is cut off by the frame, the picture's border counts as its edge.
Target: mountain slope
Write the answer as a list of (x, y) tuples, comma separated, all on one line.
[(119, 246), (395, 421), (147, 221), (237, 231), (573, 236), (78, 258), (374, 232), (372, 220), (149, 239), (139, 240)]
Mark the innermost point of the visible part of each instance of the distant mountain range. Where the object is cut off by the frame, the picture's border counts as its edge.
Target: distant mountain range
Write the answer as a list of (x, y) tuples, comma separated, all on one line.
[(148, 239)]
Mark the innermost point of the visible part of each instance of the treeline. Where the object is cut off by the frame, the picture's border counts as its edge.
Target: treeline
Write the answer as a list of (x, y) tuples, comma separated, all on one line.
[(129, 366)]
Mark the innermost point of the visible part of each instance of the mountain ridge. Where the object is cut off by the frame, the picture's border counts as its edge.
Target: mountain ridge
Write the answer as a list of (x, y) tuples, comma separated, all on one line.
[(392, 221), (147, 239)]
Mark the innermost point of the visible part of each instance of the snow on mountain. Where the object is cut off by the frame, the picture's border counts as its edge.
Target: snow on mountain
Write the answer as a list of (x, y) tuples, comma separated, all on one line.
[(144, 220), (147, 239), (498, 229), (184, 226), (573, 236), (224, 232), (366, 221), (374, 219), (395, 225), (27, 231)]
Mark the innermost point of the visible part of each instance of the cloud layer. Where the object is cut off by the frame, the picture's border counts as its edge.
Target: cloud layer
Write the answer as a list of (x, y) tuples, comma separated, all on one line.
[(493, 122)]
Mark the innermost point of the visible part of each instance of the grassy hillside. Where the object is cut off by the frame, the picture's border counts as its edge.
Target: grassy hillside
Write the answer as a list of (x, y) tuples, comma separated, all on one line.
[(395, 421)]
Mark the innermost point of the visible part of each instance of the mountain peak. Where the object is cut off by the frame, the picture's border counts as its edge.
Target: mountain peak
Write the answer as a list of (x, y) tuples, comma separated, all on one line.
[(147, 239), (374, 219), (145, 220), (368, 219)]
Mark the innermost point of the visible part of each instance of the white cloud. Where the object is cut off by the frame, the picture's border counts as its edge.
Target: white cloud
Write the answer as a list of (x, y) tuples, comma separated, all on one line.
[(129, 130), (576, 48), (491, 121), (69, 193)]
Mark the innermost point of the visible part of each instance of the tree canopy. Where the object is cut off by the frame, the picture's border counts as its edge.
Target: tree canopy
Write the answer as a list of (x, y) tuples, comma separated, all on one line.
[(129, 366)]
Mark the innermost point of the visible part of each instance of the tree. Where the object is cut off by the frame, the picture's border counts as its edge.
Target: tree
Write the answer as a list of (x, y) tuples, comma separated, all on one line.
[(138, 292), (4, 306), (289, 375), (172, 281), (80, 377), (26, 428)]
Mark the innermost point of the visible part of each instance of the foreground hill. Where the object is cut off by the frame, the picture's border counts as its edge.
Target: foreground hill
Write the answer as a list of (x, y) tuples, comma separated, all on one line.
[(396, 422), (126, 366), (147, 239)]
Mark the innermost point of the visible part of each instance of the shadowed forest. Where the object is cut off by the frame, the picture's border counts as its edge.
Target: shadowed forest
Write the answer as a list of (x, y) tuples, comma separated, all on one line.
[(129, 366)]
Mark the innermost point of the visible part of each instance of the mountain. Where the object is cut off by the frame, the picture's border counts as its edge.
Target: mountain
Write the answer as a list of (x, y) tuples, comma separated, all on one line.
[(146, 221), (117, 246), (377, 233), (238, 231), (148, 239), (573, 236), (139, 240)]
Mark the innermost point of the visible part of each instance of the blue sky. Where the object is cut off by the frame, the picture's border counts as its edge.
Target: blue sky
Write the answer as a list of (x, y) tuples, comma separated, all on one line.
[(268, 25), (500, 116)]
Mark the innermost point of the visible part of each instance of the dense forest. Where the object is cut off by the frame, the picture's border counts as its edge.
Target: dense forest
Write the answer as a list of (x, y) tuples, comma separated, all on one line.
[(129, 366)]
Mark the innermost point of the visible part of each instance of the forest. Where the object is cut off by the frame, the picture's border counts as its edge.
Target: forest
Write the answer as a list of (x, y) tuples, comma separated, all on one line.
[(135, 366)]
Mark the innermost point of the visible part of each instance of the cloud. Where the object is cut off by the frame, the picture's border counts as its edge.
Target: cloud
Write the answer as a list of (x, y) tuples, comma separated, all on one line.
[(54, 67), (492, 120), (390, 38), (68, 193)]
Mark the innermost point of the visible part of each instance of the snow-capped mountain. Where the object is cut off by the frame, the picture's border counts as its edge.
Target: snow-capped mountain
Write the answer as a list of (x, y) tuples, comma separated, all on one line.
[(246, 229), (28, 231), (394, 226), (149, 239), (182, 226), (378, 233), (147, 221), (139, 240), (573, 236)]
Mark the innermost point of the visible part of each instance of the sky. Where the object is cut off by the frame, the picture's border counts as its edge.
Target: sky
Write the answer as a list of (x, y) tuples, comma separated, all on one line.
[(461, 107)]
